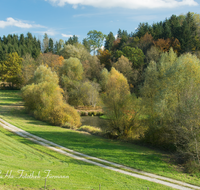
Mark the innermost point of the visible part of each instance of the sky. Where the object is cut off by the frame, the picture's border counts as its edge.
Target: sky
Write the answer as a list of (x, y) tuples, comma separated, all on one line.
[(61, 19)]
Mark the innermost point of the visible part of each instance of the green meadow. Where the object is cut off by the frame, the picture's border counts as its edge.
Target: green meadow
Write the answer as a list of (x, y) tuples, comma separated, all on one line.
[(17, 154)]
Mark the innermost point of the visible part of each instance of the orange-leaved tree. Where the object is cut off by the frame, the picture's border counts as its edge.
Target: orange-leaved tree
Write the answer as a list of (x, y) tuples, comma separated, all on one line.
[(166, 44), (51, 60), (145, 42), (105, 58)]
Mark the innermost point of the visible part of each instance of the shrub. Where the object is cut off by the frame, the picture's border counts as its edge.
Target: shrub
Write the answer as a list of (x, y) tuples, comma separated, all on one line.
[(91, 129)]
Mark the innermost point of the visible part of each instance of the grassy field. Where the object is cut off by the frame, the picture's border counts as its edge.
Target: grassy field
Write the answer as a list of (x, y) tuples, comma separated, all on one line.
[(38, 163), (138, 157)]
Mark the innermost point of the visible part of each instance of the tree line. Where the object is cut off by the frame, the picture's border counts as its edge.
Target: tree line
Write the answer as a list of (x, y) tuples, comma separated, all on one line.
[(22, 45)]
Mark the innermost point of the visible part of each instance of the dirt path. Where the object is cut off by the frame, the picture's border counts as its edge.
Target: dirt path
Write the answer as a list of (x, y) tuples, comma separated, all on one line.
[(99, 162)]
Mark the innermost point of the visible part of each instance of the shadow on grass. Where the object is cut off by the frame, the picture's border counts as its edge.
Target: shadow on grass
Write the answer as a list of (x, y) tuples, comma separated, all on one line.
[(11, 105), (123, 153)]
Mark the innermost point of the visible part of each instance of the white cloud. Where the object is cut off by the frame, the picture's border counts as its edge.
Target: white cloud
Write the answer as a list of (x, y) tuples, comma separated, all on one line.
[(66, 35), (130, 4), (18, 23)]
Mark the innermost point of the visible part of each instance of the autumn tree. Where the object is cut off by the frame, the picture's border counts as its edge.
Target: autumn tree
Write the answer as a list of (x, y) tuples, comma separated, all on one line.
[(105, 58), (44, 99), (51, 60), (91, 64), (165, 45), (124, 66), (136, 57), (117, 99), (184, 28), (77, 91), (116, 44), (145, 42), (11, 69)]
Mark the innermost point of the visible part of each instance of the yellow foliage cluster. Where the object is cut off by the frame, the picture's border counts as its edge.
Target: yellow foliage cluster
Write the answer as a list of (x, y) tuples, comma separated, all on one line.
[(119, 104), (117, 84), (11, 68), (44, 100)]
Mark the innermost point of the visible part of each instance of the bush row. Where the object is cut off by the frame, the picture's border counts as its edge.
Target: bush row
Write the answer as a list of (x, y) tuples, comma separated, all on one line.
[(90, 113)]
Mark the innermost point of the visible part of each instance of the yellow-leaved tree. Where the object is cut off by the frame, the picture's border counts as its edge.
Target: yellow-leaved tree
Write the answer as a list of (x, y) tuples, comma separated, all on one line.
[(124, 66), (119, 105), (44, 99), (10, 69)]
